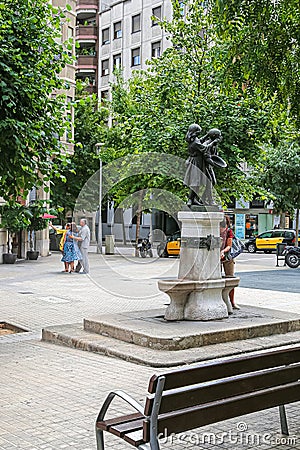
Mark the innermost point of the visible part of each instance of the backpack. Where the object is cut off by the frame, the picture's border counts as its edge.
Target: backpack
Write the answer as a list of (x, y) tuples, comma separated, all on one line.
[(237, 248)]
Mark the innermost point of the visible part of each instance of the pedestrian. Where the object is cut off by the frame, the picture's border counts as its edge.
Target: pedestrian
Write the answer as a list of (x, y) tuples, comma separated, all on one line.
[(84, 238), (63, 233), (227, 263), (71, 250)]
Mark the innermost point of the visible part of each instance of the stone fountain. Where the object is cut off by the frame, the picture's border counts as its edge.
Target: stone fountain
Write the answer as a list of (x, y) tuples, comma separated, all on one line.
[(197, 293), (200, 292)]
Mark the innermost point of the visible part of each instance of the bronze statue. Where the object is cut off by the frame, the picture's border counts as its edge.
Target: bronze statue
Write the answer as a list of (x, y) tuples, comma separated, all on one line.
[(202, 158)]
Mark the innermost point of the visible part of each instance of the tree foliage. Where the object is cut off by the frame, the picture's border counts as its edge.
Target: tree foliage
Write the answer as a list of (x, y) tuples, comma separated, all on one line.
[(258, 43), (218, 72), (154, 108), (31, 120), (90, 129), (281, 174)]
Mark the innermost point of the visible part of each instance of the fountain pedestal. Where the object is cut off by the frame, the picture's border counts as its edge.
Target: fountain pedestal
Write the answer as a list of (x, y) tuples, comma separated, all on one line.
[(197, 293)]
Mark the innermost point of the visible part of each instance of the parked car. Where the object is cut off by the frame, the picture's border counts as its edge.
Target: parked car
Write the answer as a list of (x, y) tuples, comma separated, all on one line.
[(268, 240), (171, 247)]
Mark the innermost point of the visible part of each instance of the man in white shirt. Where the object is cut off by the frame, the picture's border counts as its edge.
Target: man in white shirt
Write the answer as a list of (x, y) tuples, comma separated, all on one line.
[(84, 238)]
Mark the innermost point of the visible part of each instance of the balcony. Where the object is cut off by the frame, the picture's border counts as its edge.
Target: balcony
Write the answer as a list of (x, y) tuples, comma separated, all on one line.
[(87, 6), (86, 33), (91, 89), (86, 62)]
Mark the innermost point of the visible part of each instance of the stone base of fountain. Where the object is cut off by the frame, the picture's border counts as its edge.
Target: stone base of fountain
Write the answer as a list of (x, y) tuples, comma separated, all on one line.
[(198, 300)]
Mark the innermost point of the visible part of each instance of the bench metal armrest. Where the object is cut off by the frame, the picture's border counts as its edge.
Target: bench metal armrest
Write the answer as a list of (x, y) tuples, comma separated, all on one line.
[(127, 398)]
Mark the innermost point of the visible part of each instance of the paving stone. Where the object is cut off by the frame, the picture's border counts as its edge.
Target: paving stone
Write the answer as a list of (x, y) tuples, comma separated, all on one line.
[(50, 395)]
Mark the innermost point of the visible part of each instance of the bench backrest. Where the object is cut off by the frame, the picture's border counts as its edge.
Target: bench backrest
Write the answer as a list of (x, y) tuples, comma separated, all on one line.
[(213, 391)]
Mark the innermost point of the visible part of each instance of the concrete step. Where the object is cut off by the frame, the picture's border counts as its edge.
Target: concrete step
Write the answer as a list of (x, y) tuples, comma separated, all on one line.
[(149, 329), (73, 335)]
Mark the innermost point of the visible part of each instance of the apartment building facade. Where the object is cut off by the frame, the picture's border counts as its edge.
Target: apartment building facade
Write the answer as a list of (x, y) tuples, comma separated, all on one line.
[(120, 34), (129, 36)]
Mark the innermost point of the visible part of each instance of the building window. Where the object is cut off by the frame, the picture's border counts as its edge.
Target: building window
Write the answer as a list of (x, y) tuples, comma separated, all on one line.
[(136, 23), (117, 30), (257, 203), (136, 57), (105, 36), (104, 96), (156, 49), (156, 12), (117, 61), (105, 67), (70, 32)]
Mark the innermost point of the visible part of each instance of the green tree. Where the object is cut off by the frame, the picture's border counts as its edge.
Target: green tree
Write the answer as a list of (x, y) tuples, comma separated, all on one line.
[(31, 120), (281, 176), (90, 125), (258, 44), (14, 217), (153, 110)]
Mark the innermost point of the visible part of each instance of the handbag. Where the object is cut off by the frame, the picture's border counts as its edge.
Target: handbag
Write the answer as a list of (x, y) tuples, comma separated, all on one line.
[(62, 242), (236, 249)]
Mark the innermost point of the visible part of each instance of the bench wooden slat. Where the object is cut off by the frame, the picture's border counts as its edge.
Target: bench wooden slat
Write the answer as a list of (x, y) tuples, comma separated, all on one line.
[(199, 394), (125, 428), (190, 418), (135, 438), (105, 424), (226, 368)]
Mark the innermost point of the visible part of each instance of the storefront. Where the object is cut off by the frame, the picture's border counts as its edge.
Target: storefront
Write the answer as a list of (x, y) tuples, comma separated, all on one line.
[(250, 218)]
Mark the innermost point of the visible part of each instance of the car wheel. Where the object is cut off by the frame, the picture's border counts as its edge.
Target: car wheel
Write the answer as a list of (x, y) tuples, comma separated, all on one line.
[(251, 248)]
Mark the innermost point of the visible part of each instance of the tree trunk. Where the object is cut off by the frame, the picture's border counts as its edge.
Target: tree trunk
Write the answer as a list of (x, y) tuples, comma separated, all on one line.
[(138, 221), (31, 246), (282, 220), (151, 238), (9, 243), (297, 227), (123, 228)]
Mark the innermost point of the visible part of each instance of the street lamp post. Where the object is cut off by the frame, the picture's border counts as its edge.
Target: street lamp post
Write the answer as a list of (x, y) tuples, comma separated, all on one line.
[(99, 246)]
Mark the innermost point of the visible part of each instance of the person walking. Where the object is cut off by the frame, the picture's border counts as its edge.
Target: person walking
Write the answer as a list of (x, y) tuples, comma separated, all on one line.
[(84, 239), (228, 264)]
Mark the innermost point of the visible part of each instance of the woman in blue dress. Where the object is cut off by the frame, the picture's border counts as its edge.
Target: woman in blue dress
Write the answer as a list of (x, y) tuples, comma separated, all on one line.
[(71, 249)]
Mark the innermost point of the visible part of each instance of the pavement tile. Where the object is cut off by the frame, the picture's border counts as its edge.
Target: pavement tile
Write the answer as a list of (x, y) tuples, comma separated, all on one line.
[(50, 396)]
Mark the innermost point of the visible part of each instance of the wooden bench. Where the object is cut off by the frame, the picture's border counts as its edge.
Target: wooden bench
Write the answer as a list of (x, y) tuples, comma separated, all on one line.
[(206, 393)]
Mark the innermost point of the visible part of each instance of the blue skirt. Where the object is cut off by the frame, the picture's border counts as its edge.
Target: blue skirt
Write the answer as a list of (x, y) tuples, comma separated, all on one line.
[(71, 253)]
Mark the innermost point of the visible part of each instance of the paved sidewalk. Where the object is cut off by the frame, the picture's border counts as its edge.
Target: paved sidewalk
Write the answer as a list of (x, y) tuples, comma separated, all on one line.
[(50, 395)]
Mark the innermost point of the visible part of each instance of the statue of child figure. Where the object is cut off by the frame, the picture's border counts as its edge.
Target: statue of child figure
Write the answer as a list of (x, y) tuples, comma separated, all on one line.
[(202, 158)]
